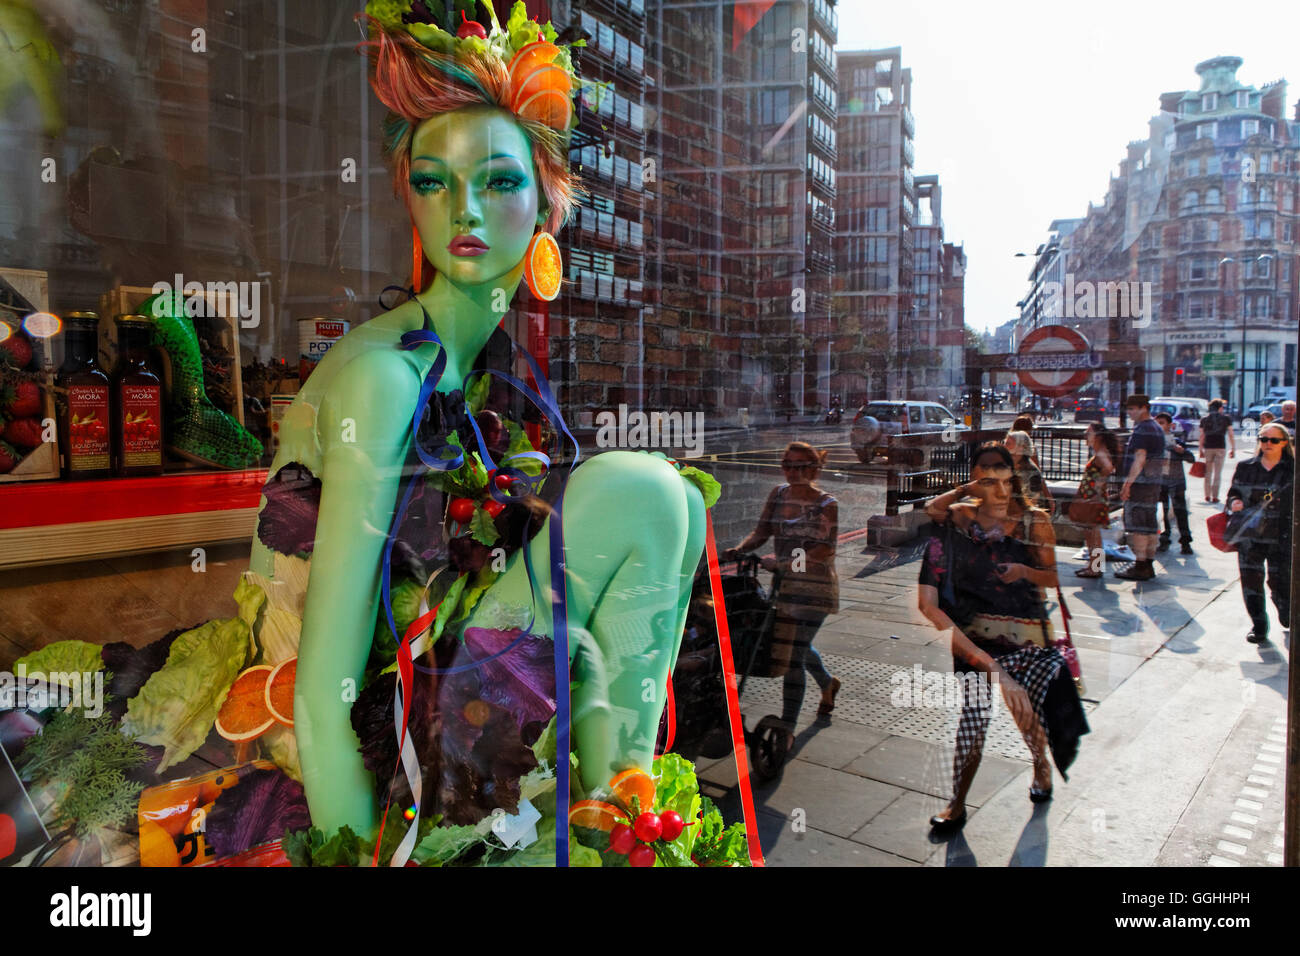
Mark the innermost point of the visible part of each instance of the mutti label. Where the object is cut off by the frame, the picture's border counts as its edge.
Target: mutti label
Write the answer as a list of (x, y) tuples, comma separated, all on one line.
[(331, 330), (141, 425), (88, 427)]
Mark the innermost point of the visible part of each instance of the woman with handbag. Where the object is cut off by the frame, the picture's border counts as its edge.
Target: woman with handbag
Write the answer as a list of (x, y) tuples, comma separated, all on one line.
[(1091, 505), (804, 521), (982, 575), (1259, 523)]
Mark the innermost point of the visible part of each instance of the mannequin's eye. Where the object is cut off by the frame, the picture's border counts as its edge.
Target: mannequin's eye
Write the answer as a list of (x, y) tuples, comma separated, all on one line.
[(425, 183), (505, 183)]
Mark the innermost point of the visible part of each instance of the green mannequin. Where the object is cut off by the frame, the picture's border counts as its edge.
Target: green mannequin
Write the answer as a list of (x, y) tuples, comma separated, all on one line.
[(631, 523)]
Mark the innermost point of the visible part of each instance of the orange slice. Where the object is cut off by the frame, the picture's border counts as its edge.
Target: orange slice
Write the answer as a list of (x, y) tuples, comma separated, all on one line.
[(244, 715), (530, 57), (635, 783), (550, 107), (156, 846), (550, 78), (542, 266), (279, 691), (595, 814)]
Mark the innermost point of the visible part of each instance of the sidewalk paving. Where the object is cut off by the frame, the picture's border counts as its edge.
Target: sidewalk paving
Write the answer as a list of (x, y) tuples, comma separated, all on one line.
[(1183, 765)]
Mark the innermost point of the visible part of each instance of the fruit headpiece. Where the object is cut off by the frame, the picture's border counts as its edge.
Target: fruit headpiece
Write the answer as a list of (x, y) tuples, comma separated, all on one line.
[(429, 57)]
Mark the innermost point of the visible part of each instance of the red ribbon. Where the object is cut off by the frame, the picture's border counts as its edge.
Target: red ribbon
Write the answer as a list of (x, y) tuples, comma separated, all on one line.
[(733, 699)]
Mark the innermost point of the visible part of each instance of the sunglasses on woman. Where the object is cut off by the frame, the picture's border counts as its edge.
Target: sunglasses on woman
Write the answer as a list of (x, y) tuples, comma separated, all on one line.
[(1274, 441), (797, 465)]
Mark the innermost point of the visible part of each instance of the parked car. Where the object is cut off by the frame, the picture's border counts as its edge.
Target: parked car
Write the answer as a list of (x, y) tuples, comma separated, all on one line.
[(1252, 413), (1089, 410), (877, 422), (1186, 413)]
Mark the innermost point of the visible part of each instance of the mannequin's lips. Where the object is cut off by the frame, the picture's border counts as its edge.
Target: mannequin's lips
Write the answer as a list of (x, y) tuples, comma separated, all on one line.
[(467, 246)]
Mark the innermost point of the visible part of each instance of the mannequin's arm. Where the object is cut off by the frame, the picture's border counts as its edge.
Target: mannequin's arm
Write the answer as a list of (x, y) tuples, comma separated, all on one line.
[(364, 430)]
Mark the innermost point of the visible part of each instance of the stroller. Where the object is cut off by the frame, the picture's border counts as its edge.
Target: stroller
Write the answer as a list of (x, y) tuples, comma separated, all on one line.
[(699, 690)]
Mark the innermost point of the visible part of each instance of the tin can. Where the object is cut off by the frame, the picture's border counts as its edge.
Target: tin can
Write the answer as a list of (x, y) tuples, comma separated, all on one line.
[(315, 338), (279, 405)]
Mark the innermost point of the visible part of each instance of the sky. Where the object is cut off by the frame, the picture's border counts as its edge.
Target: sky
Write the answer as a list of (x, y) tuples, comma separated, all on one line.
[(1024, 109)]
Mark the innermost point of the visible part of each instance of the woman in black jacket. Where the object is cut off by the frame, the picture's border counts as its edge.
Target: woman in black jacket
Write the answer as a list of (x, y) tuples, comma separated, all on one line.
[(1261, 496)]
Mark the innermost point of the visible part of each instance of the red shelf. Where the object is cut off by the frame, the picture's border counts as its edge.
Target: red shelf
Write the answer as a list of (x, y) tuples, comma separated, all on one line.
[(41, 504)]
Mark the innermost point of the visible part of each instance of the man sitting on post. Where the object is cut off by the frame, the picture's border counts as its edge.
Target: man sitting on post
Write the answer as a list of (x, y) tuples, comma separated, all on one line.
[(1143, 482)]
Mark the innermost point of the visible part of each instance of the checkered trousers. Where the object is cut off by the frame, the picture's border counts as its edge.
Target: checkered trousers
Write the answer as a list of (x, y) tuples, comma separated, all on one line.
[(1033, 668)]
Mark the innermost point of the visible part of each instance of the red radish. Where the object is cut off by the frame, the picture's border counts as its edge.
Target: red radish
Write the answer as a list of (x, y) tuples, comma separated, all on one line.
[(672, 825), (648, 827), (461, 510), (641, 856), (622, 839)]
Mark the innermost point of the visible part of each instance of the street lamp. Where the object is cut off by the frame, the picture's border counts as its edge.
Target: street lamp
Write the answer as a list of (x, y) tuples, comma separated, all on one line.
[(1264, 257)]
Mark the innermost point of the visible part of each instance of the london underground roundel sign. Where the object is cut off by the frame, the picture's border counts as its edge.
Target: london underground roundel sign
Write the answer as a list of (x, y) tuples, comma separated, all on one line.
[(1054, 360)]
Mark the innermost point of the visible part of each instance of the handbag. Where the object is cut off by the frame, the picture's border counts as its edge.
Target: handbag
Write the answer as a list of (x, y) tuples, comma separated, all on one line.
[(1198, 469), (1228, 531), (1216, 527), (1088, 511)]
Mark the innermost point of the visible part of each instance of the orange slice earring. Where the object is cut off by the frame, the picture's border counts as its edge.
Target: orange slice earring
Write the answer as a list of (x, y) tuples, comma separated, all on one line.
[(543, 266), (417, 260)]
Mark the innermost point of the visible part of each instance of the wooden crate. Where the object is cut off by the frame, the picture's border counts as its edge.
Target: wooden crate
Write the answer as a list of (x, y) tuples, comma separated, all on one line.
[(42, 462), (127, 299)]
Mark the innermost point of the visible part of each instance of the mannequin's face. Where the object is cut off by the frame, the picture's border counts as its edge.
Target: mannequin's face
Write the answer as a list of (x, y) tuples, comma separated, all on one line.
[(472, 175)]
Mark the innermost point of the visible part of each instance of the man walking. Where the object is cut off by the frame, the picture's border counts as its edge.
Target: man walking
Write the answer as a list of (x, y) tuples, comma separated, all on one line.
[(1216, 437), (1174, 489), (1144, 477)]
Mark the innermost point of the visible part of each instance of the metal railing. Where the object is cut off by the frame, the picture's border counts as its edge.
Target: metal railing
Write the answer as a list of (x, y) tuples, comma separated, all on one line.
[(924, 466)]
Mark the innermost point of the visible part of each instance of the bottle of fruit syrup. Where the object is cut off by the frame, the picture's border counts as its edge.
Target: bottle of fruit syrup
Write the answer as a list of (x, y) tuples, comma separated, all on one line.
[(137, 402), (83, 402)]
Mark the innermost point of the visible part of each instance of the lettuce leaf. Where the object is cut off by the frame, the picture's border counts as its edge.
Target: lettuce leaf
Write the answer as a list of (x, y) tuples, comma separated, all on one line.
[(477, 395), (250, 599), (311, 848), (177, 706), (708, 485), (519, 443), (678, 789), (63, 657)]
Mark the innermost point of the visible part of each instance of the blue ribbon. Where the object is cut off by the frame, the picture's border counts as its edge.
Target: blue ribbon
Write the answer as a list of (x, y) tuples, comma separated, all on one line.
[(544, 399)]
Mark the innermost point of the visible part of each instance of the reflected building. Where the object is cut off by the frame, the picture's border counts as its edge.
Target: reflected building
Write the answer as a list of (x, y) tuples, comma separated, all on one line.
[(1200, 221)]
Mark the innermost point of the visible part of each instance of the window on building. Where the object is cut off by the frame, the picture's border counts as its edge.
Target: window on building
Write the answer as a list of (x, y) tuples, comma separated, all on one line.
[(1249, 127), (1206, 130), (1209, 102), (1212, 197), (1212, 164), (1191, 199), (1243, 99)]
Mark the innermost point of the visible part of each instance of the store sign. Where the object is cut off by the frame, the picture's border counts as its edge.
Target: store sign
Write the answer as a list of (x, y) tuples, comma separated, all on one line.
[(1219, 361), (1054, 360)]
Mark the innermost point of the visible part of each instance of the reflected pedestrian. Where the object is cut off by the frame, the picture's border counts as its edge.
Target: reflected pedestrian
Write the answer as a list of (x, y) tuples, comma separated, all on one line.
[(1094, 489), (1174, 489), (1143, 480), (1259, 508), (1021, 447), (982, 575), (1216, 435), (804, 521)]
